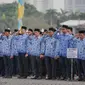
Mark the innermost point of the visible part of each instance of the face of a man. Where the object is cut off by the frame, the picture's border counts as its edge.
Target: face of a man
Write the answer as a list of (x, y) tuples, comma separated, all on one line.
[(23, 31), (7, 33), (81, 36), (69, 31), (64, 30), (30, 32), (77, 35), (45, 33), (36, 33), (51, 33)]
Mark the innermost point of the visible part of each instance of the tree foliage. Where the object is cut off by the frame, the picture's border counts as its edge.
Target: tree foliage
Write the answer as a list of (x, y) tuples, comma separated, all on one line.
[(33, 18)]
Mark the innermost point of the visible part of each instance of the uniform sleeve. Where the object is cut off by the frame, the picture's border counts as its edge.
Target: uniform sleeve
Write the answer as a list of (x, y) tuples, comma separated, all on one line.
[(12, 46), (27, 45), (73, 43), (57, 49), (42, 51), (56, 35), (70, 43)]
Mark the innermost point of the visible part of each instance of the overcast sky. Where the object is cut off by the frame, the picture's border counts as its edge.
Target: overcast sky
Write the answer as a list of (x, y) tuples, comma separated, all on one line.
[(58, 3)]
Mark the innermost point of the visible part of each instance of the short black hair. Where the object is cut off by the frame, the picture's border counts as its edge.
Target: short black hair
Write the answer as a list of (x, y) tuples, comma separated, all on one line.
[(70, 28), (82, 31), (30, 30), (15, 30), (36, 29), (45, 30), (7, 30), (24, 27), (41, 33), (65, 26), (52, 29)]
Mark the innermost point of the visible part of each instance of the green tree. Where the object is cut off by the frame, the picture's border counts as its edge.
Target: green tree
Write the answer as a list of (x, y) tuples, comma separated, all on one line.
[(3, 16), (62, 15), (51, 16), (73, 15), (30, 10)]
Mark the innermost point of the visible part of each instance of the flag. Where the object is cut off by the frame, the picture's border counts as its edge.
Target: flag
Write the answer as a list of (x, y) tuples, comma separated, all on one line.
[(20, 13)]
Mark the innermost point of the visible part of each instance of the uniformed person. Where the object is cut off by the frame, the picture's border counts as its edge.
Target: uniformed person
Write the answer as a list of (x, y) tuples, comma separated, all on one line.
[(64, 38), (2, 69), (14, 52), (50, 50), (29, 39), (81, 56), (34, 51), (43, 66), (21, 48), (7, 53)]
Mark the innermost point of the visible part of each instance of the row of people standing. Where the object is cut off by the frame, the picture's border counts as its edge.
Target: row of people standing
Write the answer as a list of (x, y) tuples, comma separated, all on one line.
[(25, 53)]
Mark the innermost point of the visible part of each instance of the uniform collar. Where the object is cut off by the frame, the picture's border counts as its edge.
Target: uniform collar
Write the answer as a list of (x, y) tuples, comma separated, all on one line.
[(65, 34), (38, 37)]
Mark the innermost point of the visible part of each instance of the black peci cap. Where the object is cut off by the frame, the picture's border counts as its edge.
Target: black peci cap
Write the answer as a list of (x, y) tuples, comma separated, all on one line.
[(24, 27), (52, 29), (70, 28), (15, 30), (36, 29), (7, 30), (82, 31), (45, 30), (65, 26), (30, 30)]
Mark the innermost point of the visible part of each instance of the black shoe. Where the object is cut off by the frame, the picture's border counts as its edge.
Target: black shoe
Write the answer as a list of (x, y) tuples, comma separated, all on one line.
[(25, 77), (80, 79), (49, 78), (40, 77), (53, 78), (36, 77), (62, 78), (83, 79), (7, 77), (58, 78), (4, 76), (20, 77), (68, 79)]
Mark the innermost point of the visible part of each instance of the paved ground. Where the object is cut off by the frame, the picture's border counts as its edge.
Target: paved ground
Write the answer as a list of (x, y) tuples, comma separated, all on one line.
[(15, 81)]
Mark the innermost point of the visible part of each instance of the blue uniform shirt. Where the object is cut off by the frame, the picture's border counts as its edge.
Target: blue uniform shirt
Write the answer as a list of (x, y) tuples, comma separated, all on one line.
[(6, 45), (44, 37), (22, 43), (81, 49), (1, 45), (73, 42), (1, 52), (29, 44), (50, 47), (35, 46), (64, 41), (14, 46)]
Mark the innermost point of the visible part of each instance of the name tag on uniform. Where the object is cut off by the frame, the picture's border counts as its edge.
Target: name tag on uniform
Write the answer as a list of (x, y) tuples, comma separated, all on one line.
[(72, 53)]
